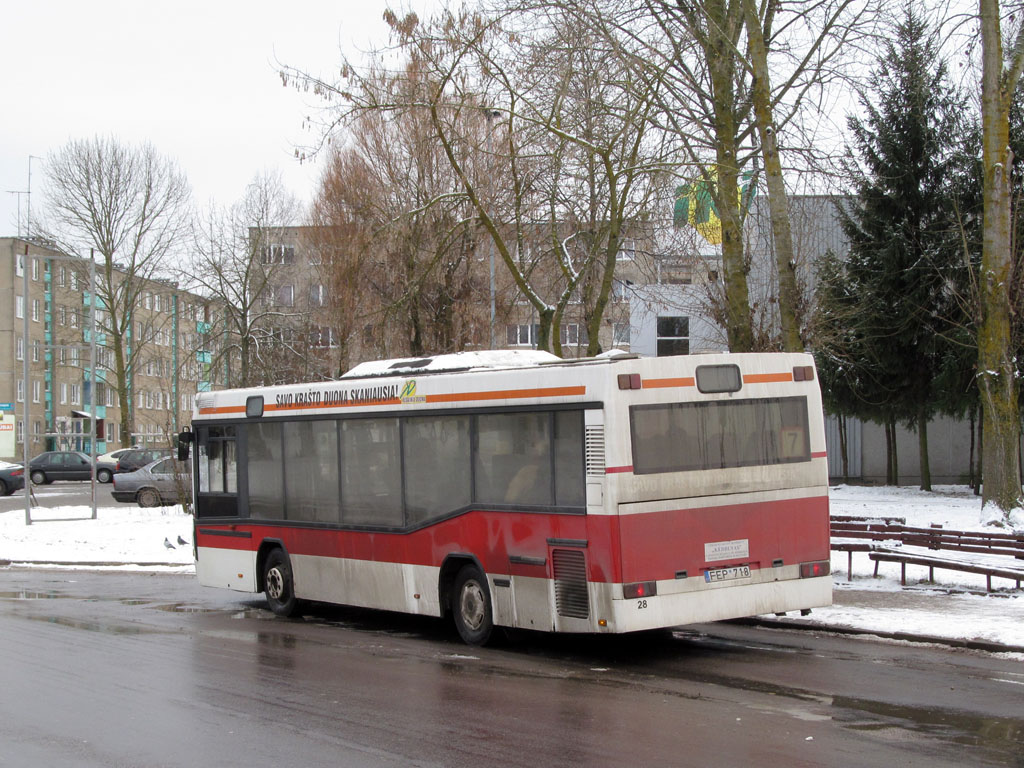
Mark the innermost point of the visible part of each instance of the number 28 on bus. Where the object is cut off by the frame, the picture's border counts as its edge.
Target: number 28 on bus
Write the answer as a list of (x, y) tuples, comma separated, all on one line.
[(520, 490)]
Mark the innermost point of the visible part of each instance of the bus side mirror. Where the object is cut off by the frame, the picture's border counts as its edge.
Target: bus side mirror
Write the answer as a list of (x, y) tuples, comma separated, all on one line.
[(184, 443)]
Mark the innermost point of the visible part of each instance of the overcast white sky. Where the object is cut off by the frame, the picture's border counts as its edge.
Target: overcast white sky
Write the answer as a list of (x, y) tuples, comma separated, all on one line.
[(195, 79)]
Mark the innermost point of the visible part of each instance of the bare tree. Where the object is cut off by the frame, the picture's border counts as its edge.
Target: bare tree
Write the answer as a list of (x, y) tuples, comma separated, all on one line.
[(130, 206), (237, 263), (527, 121), (399, 247)]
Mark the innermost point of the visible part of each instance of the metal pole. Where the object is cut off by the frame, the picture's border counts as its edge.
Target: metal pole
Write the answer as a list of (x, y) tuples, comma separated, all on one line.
[(92, 374), (25, 387), (25, 345)]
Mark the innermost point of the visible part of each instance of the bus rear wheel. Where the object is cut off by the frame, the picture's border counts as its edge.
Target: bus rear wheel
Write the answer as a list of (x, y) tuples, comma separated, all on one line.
[(471, 606), (278, 583)]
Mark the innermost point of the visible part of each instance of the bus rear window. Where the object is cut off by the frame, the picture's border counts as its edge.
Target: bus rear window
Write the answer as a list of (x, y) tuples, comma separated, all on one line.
[(678, 437)]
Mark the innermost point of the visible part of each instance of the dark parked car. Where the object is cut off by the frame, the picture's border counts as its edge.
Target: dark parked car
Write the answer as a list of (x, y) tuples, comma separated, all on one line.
[(137, 458), (12, 477), (106, 465), (59, 465), (165, 481)]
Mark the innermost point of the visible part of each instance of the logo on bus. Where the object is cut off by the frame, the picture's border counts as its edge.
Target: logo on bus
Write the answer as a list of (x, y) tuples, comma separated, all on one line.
[(409, 395)]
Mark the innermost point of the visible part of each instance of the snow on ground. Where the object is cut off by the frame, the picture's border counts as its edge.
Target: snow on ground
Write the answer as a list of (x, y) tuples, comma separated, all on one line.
[(121, 534), (955, 607)]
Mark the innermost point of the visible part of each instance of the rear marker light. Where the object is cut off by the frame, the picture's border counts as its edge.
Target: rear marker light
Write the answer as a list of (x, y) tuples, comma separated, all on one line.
[(803, 373), (630, 381), (812, 570), (640, 589)]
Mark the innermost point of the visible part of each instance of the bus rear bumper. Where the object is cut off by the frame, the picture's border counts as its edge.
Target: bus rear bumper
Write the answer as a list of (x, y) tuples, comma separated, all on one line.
[(702, 605)]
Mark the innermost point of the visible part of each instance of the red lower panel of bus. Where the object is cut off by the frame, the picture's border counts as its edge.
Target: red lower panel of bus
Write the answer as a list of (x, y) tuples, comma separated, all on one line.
[(661, 545), (653, 546)]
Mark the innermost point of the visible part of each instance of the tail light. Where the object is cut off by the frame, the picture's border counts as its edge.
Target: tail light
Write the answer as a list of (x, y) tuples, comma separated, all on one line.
[(812, 570), (18, 473), (640, 589)]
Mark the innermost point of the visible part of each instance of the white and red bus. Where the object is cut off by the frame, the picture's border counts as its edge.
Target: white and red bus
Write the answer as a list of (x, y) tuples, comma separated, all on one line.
[(520, 490)]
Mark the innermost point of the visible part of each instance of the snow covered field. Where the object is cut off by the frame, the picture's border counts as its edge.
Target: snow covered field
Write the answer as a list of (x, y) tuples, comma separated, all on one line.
[(133, 536)]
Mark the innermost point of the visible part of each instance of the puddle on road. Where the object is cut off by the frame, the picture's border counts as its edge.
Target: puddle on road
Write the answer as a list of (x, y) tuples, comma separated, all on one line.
[(185, 608), (94, 626), (26, 594), (1004, 736)]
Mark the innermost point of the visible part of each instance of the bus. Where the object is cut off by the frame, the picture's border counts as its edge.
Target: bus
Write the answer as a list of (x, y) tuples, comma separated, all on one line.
[(521, 490)]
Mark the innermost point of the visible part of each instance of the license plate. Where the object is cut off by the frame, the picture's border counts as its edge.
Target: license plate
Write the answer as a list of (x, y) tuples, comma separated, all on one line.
[(727, 574)]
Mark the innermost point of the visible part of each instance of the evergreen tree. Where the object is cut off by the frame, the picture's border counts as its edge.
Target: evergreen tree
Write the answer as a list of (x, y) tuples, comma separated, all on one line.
[(899, 225)]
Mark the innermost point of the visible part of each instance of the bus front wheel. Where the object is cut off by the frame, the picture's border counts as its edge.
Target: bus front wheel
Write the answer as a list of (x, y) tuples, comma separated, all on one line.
[(471, 606), (278, 583)]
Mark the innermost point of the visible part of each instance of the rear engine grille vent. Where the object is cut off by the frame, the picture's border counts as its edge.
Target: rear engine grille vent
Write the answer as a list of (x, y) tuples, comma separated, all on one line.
[(571, 598), (595, 450)]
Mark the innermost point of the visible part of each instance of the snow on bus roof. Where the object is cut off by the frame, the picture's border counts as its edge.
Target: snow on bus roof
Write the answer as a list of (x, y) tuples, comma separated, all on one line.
[(458, 361)]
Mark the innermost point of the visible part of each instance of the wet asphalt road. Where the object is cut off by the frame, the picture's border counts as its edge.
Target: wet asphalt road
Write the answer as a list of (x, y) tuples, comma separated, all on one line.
[(114, 669)]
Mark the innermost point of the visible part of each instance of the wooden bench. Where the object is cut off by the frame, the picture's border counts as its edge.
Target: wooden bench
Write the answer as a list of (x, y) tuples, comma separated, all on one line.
[(931, 563)]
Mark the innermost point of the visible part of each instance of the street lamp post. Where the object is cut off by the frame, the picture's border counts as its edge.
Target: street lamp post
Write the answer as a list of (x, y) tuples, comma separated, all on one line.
[(491, 114)]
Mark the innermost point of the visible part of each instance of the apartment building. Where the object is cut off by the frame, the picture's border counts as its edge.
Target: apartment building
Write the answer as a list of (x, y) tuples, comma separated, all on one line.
[(71, 370)]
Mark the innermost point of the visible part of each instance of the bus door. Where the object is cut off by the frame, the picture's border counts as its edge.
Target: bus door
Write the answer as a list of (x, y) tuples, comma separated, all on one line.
[(217, 472)]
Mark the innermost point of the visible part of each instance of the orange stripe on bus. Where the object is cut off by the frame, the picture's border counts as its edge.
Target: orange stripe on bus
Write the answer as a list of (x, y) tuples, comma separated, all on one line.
[(223, 409), (767, 378), (659, 383), (507, 394)]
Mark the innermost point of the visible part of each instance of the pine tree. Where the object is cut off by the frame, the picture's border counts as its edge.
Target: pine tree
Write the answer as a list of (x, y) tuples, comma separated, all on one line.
[(899, 224)]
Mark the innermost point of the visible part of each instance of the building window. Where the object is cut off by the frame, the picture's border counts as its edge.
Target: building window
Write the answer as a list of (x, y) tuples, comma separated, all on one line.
[(63, 393), (35, 350), (573, 334), (317, 295), (62, 278), (19, 306), (620, 334), (19, 265), (35, 310), (673, 336), (19, 348), (36, 390), (76, 394), (19, 387), (285, 296), (627, 250), (277, 254), (74, 280), (74, 357), (521, 335), (35, 269)]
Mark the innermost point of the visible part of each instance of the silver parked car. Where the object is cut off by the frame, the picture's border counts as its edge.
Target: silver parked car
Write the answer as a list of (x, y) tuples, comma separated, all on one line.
[(162, 482)]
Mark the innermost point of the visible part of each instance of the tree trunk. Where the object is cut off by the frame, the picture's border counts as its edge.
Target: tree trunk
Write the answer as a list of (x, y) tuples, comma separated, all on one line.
[(722, 63), (778, 206), (970, 460), (844, 448), (922, 443), (996, 371)]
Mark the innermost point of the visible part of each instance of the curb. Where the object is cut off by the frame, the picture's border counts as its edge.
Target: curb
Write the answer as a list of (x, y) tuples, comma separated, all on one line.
[(952, 642)]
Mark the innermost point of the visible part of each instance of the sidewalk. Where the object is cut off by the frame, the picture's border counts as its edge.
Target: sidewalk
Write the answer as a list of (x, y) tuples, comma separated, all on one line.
[(993, 622)]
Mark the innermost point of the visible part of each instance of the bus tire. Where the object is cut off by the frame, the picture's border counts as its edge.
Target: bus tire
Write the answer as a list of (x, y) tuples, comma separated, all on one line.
[(471, 606), (279, 584)]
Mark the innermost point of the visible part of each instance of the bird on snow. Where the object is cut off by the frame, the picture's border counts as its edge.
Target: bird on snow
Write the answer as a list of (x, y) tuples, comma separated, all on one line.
[(181, 540), (168, 544)]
